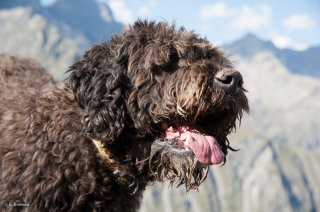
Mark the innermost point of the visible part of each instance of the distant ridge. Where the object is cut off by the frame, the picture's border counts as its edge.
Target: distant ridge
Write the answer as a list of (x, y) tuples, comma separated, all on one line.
[(299, 62), (6, 4), (56, 35), (86, 16), (92, 18)]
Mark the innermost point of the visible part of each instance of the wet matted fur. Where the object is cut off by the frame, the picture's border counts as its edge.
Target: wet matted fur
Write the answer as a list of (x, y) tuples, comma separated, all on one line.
[(123, 94)]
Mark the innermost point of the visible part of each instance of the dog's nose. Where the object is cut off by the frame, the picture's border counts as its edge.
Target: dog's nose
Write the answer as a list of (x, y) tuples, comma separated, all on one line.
[(229, 79)]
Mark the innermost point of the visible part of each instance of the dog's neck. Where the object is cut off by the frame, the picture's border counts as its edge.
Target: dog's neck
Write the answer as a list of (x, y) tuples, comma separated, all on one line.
[(104, 155), (124, 180)]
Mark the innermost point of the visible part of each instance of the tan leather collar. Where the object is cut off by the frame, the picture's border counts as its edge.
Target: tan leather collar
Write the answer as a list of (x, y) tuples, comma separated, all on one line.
[(104, 155), (121, 179)]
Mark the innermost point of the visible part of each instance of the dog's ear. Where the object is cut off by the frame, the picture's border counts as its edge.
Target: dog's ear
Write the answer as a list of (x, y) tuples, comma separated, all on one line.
[(99, 85)]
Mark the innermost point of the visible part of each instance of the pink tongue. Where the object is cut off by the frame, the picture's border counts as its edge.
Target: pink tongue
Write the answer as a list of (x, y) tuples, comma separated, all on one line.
[(205, 147)]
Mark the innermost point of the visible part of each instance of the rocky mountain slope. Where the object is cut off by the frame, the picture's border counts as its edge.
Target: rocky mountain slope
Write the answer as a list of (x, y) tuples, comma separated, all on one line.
[(56, 35), (277, 168)]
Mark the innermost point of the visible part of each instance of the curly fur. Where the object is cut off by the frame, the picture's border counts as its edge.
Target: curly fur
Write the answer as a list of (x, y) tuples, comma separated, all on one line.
[(20, 73), (19, 76), (124, 93)]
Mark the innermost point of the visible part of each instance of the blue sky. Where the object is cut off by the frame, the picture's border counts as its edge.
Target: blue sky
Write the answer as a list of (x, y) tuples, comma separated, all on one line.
[(288, 23)]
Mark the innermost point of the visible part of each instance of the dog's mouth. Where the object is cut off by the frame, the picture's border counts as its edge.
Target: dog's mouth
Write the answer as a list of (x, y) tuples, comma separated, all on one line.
[(187, 140), (183, 154), (186, 147)]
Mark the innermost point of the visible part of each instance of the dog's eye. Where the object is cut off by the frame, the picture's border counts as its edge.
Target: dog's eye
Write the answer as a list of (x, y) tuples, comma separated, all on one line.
[(174, 58), (169, 67)]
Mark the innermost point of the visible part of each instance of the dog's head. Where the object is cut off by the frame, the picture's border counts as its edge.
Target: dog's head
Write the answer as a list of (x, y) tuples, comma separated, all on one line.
[(162, 101)]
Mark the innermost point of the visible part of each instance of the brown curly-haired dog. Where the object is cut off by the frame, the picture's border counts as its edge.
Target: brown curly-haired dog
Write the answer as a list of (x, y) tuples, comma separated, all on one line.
[(21, 73), (153, 103)]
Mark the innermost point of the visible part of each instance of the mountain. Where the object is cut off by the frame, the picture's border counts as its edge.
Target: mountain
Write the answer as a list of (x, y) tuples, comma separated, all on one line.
[(56, 35), (305, 62), (277, 167), (93, 19), (7, 4)]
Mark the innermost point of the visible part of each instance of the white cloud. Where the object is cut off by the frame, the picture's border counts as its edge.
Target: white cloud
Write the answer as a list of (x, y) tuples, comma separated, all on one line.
[(47, 2), (153, 3), (121, 12), (299, 22), (283, 41), (144, 11), (300, 46), (219, 10), (244, 18), (252, 18)]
